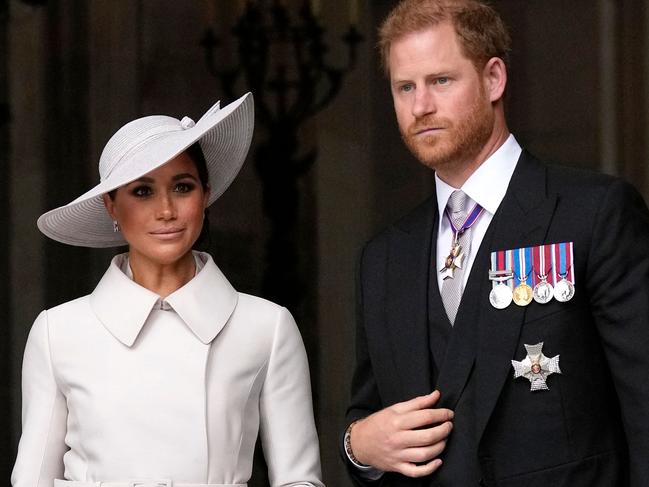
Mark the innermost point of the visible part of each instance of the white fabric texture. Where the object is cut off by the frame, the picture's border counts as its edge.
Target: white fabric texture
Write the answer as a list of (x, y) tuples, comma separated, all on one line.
[(114, 389)]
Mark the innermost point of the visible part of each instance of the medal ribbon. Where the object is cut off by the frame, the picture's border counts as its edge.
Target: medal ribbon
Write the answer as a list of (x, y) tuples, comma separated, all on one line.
[(563, 261), (470, 219), (547, 263), (522, 259), (502, 260)]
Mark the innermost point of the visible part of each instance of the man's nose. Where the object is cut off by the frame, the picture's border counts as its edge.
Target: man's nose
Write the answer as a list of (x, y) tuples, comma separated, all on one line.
[(424, 103)]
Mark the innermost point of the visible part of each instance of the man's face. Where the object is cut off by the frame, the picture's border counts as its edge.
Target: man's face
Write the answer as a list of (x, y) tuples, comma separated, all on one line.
[(444, 114)]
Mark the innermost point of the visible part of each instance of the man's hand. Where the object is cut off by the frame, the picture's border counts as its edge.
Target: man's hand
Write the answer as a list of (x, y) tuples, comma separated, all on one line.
[(406, 437)]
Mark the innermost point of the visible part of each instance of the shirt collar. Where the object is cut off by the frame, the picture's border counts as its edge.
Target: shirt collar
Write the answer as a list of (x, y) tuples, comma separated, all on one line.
[(205, 303), (488, 184)]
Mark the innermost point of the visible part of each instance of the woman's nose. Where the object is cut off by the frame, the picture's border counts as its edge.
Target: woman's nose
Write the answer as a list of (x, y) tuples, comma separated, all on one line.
[(166, 208)]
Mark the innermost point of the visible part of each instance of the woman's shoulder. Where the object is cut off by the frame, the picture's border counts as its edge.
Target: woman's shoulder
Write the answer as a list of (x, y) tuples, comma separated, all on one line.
[(261, 309), (259, 315), (65, 319), (70, 309)]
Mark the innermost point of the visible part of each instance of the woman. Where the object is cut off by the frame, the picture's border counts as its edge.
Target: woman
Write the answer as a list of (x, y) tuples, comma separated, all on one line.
[(164, 374)]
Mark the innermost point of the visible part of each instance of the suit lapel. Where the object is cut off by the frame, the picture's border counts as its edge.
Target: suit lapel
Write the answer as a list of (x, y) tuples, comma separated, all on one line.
[(406, 306), (460, 354), (522, 220)]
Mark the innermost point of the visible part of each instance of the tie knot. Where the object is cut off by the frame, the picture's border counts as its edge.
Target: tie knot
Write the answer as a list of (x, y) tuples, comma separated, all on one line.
[(458, 202)]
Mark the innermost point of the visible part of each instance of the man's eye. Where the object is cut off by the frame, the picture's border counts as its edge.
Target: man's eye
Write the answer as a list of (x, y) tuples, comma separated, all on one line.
[(184, 187), (442, 81), (406, 88), (141, 191)]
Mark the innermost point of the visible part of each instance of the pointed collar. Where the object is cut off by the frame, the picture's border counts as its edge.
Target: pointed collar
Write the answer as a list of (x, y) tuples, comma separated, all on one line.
[(488, 184), (205, 303)]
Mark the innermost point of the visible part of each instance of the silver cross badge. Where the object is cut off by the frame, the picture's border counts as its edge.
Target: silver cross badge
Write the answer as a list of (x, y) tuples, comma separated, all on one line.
[(536, 367)]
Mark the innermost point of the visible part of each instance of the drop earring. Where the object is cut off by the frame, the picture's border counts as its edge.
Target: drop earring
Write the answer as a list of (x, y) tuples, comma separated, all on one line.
[(115, 226)]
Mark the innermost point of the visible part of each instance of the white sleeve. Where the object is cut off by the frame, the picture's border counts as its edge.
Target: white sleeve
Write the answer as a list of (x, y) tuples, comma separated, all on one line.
[(44, 415), (288, 433), (365, 471)]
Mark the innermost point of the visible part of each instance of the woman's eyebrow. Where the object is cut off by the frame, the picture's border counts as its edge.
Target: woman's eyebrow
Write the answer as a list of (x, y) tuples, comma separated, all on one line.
[(183, 176)]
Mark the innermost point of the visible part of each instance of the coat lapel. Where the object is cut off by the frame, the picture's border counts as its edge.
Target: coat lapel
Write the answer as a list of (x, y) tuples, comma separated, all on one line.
[(460, 354), (522, 220), (407, 289)]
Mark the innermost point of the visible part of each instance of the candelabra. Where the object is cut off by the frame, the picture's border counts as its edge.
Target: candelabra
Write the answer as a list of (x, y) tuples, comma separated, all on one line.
[(281, 59)]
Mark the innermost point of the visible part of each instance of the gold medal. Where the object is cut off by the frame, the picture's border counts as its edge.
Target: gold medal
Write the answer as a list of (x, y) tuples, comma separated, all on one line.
[(523, 294)]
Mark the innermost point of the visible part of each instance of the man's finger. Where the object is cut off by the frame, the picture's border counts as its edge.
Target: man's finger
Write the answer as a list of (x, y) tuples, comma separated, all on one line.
[(424, 417), (422, 455), (426, 437), (419, 402), (413, 470)]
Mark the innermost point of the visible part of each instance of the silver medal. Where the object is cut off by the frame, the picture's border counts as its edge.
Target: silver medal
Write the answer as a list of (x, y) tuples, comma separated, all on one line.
[(501, 296), (543, 292), (564, 290)]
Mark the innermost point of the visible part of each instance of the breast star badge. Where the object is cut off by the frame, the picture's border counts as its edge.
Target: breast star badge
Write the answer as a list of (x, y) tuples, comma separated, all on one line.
[(536, 367)]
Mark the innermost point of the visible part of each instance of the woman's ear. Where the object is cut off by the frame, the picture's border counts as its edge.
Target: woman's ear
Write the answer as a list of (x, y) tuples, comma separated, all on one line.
[(110, 205), (495, 78), (206, 196)]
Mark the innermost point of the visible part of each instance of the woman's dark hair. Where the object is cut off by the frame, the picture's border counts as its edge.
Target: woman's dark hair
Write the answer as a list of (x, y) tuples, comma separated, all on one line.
[(195, 153)]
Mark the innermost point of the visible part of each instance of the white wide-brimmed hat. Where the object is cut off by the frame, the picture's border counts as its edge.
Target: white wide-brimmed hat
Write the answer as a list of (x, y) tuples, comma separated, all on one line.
[(139, 147)]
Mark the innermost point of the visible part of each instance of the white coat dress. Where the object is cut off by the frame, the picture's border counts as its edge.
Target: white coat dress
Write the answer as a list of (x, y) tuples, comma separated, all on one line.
[(115, 387)]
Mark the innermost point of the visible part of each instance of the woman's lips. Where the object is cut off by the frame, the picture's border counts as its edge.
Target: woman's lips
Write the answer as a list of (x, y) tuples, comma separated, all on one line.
[(167, 233)]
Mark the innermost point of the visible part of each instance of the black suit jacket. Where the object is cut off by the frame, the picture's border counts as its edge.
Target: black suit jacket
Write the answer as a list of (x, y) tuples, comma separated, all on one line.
[(591, 428)]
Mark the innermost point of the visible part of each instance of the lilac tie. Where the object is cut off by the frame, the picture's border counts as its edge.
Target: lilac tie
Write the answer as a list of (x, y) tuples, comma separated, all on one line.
[(458, 207)]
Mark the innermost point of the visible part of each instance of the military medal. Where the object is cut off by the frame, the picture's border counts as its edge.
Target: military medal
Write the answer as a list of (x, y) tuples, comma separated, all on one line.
[(564, 289), (501, 295), (456, 257), (500, 275), (523, 293), (536, 367), (543, 290), (453, 260)]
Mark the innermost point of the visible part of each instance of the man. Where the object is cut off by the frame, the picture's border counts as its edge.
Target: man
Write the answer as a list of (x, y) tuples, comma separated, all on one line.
[(550, 389)]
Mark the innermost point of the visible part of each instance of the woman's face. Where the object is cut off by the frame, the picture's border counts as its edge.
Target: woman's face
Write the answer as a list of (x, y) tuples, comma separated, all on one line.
[(161, 214)]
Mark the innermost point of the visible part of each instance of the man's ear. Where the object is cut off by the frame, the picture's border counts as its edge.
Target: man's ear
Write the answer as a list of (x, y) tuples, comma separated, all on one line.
[(110, 205), (494, 75)]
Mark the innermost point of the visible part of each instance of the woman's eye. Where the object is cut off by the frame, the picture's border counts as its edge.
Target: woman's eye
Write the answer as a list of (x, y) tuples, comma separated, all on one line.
[(184, 187), (407, 88), (141, 191)]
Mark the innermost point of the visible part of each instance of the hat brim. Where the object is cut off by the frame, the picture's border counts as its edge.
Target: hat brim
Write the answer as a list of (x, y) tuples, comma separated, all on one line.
[(224, 136)]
